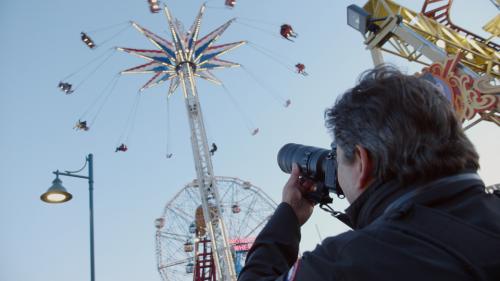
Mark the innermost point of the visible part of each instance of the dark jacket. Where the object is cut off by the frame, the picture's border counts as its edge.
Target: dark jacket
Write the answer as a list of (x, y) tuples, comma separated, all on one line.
[(448, 229)]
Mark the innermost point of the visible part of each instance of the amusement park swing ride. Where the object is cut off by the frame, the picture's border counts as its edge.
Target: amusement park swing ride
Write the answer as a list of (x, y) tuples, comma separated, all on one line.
[(200, 235), (207, 228)]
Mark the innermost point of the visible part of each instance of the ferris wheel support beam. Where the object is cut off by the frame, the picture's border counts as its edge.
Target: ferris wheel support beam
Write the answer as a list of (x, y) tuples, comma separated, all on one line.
[(205, 177)]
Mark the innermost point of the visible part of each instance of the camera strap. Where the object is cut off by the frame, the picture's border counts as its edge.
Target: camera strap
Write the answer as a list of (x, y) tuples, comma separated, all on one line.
[(431, 187), (343, 217)]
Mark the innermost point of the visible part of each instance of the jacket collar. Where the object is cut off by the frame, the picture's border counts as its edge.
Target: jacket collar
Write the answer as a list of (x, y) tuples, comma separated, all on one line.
[(371, 203), (378, 196)]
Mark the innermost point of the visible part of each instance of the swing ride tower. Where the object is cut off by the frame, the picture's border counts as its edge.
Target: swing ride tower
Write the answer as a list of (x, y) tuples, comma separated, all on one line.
[(180, 61)]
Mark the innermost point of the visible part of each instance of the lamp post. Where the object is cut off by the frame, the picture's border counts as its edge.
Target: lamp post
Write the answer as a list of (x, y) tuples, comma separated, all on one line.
[(58, 194)]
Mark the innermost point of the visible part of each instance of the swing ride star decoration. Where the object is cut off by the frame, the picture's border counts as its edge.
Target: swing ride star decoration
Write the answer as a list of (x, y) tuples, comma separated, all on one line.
[(185, 48)]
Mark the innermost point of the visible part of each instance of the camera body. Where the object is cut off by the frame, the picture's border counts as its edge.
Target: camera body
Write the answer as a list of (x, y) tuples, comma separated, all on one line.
[(316, 164)]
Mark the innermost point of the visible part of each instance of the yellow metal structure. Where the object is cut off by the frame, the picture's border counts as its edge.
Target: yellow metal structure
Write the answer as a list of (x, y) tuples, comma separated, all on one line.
[(418, 38), (493, 26)]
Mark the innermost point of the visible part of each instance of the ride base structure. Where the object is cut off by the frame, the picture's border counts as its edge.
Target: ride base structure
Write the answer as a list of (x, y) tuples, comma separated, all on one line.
[(464, 65)]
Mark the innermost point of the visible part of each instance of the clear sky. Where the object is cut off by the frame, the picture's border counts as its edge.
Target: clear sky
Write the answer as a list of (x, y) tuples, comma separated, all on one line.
[(40, 45)]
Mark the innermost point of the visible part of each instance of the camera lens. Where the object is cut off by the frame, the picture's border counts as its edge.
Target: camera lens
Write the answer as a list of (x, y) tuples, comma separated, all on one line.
[(310, 160)]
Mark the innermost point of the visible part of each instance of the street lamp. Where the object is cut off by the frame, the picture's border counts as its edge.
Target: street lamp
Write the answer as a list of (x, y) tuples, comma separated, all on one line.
[(58, 194)]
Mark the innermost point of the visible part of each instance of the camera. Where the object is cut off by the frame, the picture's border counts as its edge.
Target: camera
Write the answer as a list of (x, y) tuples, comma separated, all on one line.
[(316, 164)]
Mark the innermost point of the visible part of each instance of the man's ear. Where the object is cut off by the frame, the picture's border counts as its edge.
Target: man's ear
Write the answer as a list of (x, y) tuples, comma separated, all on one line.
[(365, 167)]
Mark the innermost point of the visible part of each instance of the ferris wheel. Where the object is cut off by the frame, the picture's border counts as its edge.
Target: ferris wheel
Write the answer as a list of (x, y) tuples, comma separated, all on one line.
[(183, 246)]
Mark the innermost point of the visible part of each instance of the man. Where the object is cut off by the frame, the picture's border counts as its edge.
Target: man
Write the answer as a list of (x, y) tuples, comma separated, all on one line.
[(287, 31), (122, 148), (213, 149), (301, 69), (418, 209)]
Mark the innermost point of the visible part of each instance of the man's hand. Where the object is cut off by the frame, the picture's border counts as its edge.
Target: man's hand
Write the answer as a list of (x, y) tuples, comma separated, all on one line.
[(293, 194)]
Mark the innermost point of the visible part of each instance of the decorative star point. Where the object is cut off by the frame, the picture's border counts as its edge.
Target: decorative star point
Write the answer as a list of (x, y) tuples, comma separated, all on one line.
[(185, 47)]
